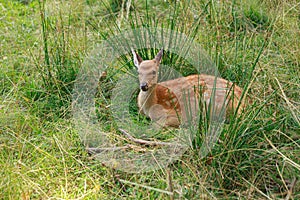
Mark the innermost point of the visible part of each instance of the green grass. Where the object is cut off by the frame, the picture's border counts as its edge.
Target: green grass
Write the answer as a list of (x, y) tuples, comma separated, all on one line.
[(255, 44)]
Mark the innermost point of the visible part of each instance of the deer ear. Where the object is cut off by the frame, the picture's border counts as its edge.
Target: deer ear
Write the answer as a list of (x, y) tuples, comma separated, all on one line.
[(136, 58), (159, 55)]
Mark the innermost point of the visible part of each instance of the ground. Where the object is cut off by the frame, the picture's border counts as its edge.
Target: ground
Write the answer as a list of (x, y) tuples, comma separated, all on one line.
[(44, 44)]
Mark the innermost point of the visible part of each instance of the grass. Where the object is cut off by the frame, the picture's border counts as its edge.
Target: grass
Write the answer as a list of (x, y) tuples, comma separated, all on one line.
[(43, 46)]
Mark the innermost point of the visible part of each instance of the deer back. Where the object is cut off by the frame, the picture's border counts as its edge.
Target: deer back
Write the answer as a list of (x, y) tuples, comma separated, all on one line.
[(188, 93)]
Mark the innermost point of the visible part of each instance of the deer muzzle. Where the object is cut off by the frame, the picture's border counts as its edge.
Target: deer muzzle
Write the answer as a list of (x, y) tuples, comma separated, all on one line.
[(144, 87)]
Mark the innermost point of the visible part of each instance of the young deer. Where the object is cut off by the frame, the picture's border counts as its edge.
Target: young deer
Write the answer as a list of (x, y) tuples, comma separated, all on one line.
[(171, 102)]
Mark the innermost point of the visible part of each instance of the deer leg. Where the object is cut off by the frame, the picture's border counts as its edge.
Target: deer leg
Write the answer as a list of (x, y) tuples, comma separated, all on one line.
[(158, 115), (163, 117), (172, 120)]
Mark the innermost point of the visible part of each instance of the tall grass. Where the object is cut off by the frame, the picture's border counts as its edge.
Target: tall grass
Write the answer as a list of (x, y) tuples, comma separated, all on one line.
[(251, 27), (59, 64), (253, 43)]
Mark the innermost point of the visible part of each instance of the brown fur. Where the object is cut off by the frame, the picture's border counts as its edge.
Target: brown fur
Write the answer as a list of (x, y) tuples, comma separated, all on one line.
[(174, 101)]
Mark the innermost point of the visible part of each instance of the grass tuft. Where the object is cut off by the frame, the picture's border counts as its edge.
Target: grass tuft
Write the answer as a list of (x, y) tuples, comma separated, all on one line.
[(254, 44)]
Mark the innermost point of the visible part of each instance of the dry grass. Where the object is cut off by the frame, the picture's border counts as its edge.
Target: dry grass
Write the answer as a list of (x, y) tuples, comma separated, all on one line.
[(42, 156)]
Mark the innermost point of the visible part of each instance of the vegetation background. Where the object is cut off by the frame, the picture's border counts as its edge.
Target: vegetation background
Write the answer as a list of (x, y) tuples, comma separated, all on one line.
[(255, 44)]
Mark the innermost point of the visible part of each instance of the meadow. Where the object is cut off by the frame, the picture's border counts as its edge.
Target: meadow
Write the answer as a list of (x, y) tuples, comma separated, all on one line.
[(44, 44)]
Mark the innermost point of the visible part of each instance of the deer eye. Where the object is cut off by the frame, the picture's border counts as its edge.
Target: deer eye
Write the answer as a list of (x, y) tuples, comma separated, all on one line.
[(153, 72)]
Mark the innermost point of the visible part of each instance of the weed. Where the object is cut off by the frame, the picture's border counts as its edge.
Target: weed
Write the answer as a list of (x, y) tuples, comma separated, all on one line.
[(43, 45)]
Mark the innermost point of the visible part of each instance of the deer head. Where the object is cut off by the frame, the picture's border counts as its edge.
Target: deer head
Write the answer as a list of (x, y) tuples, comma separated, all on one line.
[(147, 70)]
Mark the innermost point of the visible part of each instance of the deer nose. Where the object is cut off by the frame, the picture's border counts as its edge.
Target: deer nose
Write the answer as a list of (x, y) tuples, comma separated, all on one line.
[(144, 86)]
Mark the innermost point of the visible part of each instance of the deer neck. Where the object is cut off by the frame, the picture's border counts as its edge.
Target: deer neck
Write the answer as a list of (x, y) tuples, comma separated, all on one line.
[(147, 99)]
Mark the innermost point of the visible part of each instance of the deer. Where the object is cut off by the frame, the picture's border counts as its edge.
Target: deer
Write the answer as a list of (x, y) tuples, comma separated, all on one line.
[(169, 103)]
